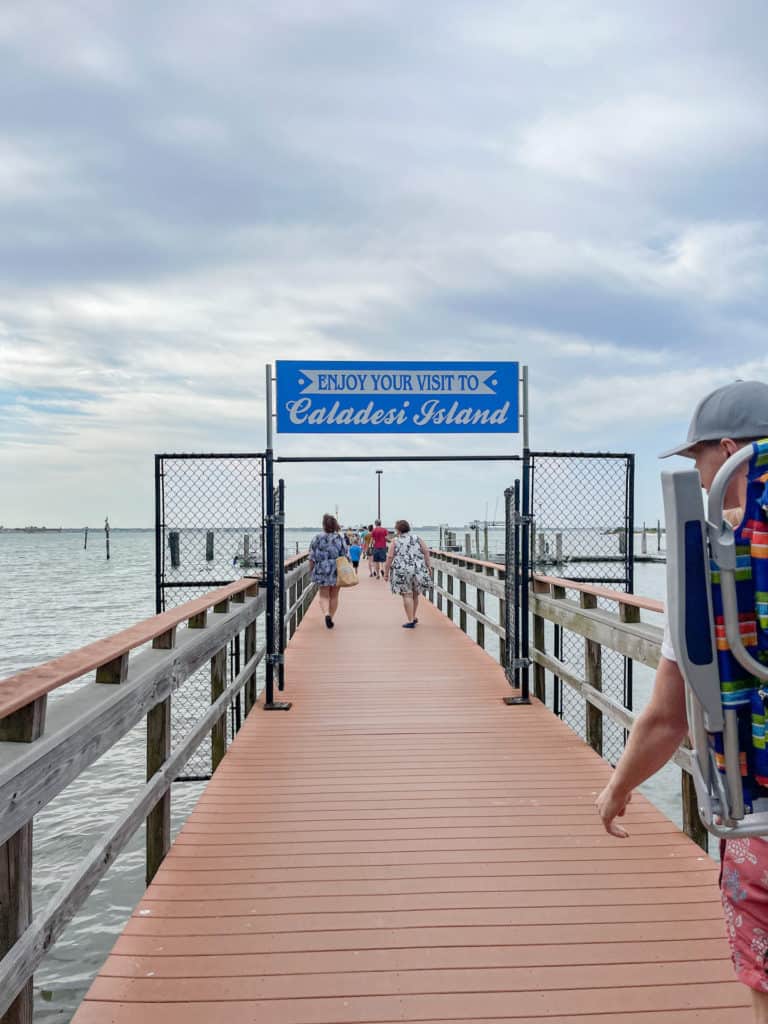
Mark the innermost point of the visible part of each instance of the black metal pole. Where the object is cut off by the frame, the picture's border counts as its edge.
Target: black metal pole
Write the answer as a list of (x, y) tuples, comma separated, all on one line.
[(378, 478), (158, 539), (525, 582), (516, 626), (270, 566), (281, 583)]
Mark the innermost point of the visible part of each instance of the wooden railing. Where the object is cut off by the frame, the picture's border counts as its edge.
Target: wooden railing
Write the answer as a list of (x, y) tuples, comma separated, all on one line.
[(621, 630), (47, 748), (486, 578)]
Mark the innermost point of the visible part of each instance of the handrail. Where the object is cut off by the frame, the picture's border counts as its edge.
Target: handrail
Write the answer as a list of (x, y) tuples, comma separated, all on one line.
[(22, 688), (649, 604), (456, 556)]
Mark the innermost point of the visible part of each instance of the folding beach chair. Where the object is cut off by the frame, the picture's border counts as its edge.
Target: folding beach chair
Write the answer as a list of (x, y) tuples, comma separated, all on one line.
[(717, 608)]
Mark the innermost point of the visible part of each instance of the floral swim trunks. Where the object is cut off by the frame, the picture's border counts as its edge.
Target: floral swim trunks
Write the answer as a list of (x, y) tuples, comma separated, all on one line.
[(744, 892)]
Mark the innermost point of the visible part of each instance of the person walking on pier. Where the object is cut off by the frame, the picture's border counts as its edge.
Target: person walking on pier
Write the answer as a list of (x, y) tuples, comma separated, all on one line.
[(724, 421), (324, 549), (368, 548), (408, 569), (379, 543)]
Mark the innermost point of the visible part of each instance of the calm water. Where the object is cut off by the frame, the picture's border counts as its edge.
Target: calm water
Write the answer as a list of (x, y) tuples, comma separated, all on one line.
[(58, 596)]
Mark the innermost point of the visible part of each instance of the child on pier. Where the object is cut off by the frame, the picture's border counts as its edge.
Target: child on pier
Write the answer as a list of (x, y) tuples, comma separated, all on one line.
[(724, 421)]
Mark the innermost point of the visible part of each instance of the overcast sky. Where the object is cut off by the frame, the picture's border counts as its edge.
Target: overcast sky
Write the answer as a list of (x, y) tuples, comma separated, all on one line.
[(188, 191)]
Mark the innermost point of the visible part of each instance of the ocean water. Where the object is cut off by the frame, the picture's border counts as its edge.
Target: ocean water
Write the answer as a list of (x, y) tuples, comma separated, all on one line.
[(58, 596)]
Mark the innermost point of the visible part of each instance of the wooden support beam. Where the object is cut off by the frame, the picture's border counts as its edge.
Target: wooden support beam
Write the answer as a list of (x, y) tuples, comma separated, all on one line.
[(115, 671), (218, 686), (593, 675), (16, 911), (479, 624), (222, 607), (158, 827), (250, 650), (449, 603), (462, 611), (199, 621), (26, 724), (539, 674)]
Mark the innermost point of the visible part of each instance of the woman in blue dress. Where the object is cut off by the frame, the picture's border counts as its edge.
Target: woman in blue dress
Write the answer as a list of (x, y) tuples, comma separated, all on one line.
[(325, 548)]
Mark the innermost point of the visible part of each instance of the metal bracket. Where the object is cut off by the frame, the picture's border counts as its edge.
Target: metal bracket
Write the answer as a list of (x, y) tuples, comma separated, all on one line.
[(276, 659), (522, 519), (517, 663), (276, 519)]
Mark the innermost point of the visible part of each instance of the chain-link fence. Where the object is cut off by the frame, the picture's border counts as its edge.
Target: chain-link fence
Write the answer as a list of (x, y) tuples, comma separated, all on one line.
[(209, 531), (581, 506)]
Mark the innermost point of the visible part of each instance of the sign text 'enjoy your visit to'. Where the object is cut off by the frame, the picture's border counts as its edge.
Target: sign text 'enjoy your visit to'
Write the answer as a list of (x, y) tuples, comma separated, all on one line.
[(388, 397)]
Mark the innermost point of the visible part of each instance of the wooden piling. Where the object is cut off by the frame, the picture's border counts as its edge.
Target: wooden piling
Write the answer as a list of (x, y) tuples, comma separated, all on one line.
[(85, 539), (468, 543), (593, 674), (16, 910), (644, 542), (175, 546), (209, 546), (106, 535), (559, 548)]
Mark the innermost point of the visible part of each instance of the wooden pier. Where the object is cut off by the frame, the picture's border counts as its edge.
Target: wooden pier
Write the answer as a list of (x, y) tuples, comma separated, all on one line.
[(403, 846)]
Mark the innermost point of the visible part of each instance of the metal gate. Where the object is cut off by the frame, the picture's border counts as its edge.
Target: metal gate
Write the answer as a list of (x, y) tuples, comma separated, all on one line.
[(574, 519), (210, 530)]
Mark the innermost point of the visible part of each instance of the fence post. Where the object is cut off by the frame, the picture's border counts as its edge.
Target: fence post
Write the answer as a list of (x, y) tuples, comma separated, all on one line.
[(480, 605), (539, 679), (449, 602), (158, 831), (463, 611), (218, 686), (593, 674), (439, 594), (16, 910), (503, 619)]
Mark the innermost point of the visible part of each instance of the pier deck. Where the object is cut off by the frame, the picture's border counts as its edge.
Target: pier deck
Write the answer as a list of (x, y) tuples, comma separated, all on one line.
[(402, 846)]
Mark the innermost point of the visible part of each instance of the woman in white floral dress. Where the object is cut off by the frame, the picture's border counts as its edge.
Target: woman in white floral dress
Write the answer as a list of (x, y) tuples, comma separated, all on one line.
[(408, 569)]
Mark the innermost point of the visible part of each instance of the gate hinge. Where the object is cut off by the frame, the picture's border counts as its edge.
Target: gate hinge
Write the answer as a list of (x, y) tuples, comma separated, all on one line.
[(517, 663), (276, 519), (522, 519), (276, 659)]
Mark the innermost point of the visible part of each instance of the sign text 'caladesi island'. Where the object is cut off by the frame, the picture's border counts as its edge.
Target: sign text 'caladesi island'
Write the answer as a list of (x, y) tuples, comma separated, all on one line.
[(389, 397)]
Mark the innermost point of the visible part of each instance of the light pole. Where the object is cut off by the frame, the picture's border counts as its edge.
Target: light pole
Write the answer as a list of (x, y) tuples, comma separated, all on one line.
[(378, 477)]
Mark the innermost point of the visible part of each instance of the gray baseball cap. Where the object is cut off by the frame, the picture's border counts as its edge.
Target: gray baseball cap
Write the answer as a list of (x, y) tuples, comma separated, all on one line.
[(738, 410)]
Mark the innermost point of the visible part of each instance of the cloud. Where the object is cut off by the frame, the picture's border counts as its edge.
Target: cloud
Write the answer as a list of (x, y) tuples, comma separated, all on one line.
[(188, 194)]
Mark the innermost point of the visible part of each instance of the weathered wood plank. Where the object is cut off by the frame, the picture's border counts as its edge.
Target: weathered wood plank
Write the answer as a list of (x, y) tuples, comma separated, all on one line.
[(490, 584), (15, 915), (25, 725), (494, 627), (593, 675), (218, 685), (539, 675), (639, 641)]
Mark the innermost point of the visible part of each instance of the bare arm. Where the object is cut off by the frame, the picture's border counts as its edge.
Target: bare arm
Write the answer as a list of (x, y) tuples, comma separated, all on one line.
[(425, 552), (390, 556), (658, 732)]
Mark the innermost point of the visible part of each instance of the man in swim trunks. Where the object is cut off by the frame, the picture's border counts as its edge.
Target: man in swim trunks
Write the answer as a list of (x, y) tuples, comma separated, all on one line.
[(379, 543), (723, 422)]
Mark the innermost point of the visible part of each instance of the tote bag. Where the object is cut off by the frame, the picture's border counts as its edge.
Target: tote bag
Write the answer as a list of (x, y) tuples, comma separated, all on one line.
[(345, 574)]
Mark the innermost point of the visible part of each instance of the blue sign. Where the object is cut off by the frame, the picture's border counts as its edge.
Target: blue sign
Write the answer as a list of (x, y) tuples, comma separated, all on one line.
[(315, 397)]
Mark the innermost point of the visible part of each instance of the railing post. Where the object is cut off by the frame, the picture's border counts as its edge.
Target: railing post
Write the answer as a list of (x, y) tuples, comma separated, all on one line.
[(539, 677), (158, 831), (480, 605), (218, 686), (439, 591), (463, 611), (16, 911), (449, 603), (593, 674)]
